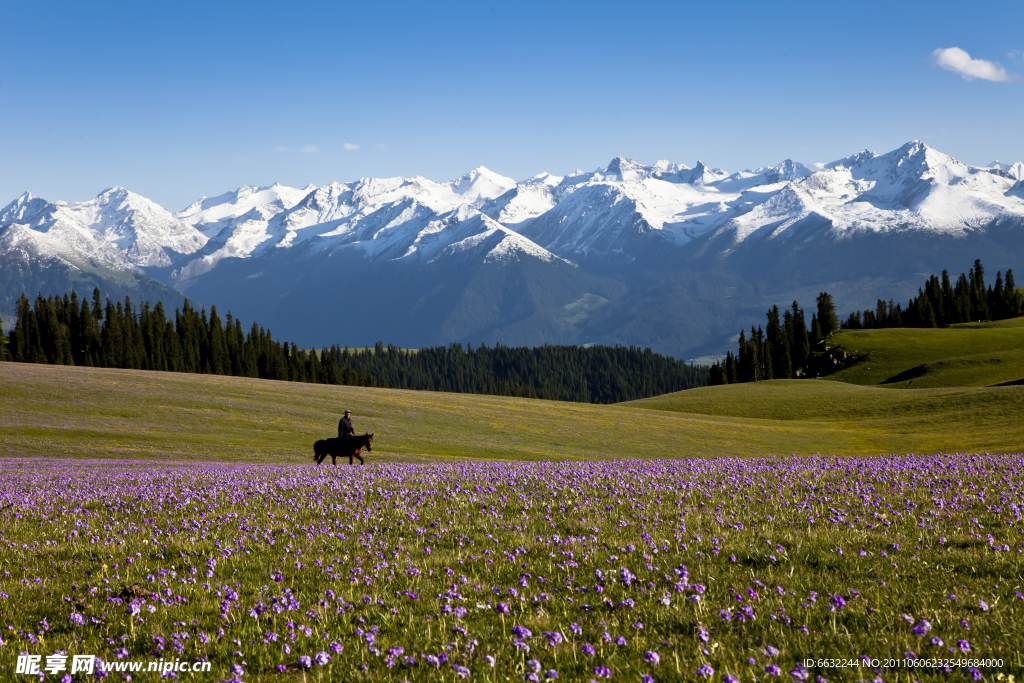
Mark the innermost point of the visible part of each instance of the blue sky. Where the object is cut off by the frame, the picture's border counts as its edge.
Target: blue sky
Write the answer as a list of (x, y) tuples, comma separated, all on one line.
[(180, 100)]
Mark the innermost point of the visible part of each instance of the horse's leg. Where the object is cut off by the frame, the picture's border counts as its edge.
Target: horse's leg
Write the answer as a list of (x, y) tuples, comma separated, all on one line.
[(359, 456)]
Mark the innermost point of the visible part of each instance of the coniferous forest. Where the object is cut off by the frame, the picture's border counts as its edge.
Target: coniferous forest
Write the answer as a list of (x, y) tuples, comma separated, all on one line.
[(786, 349), (97, 333)]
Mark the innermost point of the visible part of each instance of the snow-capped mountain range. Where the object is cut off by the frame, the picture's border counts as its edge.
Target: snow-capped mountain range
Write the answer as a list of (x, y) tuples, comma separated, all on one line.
[(598, 229)]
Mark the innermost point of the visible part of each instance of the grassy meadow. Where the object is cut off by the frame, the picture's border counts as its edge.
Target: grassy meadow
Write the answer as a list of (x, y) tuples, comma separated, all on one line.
[(965, 355), (61, 412), (721, 570), (177, 519)]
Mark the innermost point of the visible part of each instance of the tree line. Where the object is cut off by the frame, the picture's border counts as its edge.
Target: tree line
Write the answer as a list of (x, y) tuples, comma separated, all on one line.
[(787, 349), (941, 303), (782, 350), (64, 330), (594, 374)]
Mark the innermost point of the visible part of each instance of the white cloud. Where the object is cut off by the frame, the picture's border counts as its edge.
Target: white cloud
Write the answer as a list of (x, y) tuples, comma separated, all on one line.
[(350, 146), (282, 148), (309, 149), (819, 164), (960, 62)]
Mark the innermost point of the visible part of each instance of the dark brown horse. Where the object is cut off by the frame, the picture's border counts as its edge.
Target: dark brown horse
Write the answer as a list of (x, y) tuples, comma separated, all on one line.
[(338, 448)]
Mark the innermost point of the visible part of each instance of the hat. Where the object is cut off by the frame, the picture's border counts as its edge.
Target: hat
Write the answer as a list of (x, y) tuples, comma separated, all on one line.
[(348, 412)]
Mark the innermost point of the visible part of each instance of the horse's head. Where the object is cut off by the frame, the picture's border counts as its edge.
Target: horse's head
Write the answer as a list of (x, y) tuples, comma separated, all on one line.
[(369, 442)]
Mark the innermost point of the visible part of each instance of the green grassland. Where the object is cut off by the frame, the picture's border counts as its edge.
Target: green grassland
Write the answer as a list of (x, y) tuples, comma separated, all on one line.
[(967, 355), (60, 412)]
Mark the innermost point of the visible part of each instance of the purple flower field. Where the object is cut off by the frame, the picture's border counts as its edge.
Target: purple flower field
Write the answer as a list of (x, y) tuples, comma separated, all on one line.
[(716, 570)]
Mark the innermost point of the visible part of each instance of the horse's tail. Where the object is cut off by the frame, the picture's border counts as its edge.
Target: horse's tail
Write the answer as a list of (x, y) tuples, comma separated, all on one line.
[(318, 448)]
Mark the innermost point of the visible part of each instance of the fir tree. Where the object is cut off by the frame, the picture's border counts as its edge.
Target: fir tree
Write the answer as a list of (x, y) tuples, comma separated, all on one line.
[(731, 375), (1013, 298)]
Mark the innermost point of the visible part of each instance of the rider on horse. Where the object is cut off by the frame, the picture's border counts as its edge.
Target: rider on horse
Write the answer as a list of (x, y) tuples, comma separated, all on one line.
[(345, 430)]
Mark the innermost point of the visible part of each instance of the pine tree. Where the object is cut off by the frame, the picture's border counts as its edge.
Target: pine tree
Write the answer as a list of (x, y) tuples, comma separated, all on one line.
[(220, 362), (881, 318), (731, 375), (927, 315), (947, 309), (764, 356), (778, 343), (97, 305), (979, 299), (1013, 298), (22, 344), (816, 335)]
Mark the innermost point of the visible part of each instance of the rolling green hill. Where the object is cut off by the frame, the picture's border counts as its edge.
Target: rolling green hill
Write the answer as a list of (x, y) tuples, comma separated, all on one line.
[(967, 355), (61, 412)]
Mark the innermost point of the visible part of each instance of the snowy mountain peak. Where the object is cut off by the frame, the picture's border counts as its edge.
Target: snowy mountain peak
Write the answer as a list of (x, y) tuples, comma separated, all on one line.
[(142, 229), (701, 174), (1015, 171), (860, 157), (481, 183), (665, 166), (24, 209), (543, 179), (787, 171), (628, 169)]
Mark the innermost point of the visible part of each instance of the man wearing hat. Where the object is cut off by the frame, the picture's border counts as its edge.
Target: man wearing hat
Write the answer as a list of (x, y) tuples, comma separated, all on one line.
[(345, 430)]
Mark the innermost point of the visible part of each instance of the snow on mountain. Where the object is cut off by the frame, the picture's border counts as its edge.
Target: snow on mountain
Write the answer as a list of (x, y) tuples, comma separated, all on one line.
[(786, 171), (1015, 171), (212, 215), (476, 187), (608, 212), (383, 215), (61, 240), (32, 228), (600, 213), (912, 188), (24, 209), (701, 175), (525, 201), (118, 230), (143, 230), (467, 234)]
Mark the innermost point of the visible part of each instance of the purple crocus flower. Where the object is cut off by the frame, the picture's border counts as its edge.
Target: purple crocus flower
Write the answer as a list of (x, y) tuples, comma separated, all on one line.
[(522, 632)]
